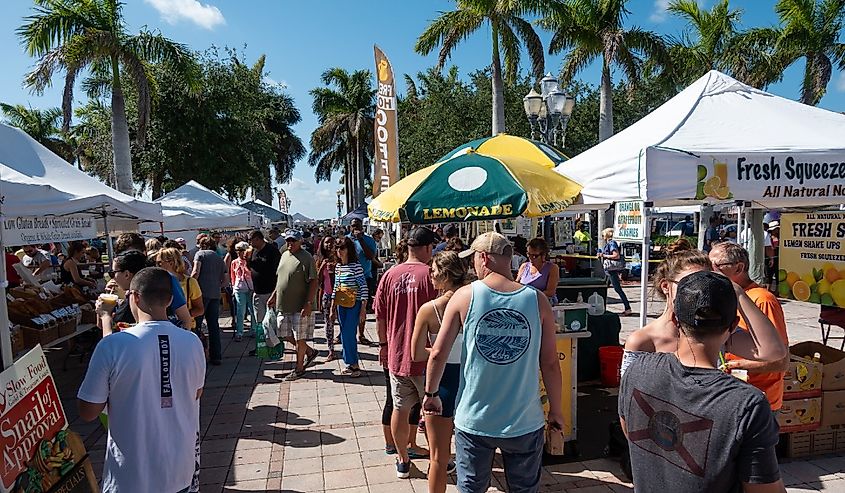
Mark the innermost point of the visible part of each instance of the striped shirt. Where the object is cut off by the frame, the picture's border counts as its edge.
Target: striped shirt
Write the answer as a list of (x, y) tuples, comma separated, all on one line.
[(351, 276)]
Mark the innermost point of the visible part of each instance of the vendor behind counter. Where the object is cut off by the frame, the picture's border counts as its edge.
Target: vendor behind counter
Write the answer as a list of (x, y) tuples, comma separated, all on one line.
[(538, 272)]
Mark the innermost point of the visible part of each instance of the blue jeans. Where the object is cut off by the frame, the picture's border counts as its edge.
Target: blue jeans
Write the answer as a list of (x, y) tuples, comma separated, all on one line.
[(212, 319), (243, 302), (523, 458), (614, 281), (348, 318)]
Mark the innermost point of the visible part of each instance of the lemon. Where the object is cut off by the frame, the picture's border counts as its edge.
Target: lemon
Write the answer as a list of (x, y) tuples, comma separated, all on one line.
[(837, 291), (792, 278), (808, 278), (824, 286), (801, 291), (711, 185), (722, 193)]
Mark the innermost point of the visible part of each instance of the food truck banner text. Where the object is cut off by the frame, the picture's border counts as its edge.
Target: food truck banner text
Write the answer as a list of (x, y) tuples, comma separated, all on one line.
[(812, 257), (31, 230), (30, 410)]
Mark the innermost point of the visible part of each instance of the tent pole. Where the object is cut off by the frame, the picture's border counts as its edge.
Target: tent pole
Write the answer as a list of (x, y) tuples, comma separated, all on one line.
[(109, 246), (5, 331), (644, 267)]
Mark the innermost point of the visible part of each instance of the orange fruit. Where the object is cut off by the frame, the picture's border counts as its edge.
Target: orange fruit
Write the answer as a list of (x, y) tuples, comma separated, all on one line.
[(792, 278), (832, 275), (801, 291)]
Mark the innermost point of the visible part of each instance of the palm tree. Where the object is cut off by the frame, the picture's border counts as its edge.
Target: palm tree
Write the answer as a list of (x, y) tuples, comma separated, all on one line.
[(588, 30), (41, 125), (710, 42), (344, 139), (509, 30), (75, 35), (810, 29)]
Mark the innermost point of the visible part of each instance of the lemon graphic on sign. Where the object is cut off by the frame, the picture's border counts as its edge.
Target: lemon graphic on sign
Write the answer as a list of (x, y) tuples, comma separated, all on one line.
[(715, 186), (383, 71)]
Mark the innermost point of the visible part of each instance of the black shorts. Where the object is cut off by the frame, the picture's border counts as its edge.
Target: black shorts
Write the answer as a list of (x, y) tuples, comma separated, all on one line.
[(448, 390)]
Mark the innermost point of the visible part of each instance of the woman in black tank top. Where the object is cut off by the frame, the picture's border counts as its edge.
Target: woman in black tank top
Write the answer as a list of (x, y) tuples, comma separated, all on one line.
[(70, 267)]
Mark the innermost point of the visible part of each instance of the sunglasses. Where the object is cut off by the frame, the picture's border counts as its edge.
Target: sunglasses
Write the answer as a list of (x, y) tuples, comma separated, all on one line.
[(535, 255), (112, 273)]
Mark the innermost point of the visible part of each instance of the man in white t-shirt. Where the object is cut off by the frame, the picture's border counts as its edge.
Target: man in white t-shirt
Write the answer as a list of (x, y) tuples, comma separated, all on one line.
[(151, 377)]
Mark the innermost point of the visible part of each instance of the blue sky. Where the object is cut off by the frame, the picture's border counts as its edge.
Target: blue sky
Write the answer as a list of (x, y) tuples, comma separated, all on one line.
[(303, 38)]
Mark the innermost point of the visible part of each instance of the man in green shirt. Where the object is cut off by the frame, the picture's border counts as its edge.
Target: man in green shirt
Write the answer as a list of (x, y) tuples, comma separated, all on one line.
[(293, 298)]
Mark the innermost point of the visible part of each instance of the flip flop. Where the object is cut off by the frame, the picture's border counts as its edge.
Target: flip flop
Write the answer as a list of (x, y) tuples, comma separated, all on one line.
[(309, 359)]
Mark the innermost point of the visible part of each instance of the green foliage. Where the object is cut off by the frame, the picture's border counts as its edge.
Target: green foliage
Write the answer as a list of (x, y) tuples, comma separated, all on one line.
[(442, 112), (226, 135), (41, 125)]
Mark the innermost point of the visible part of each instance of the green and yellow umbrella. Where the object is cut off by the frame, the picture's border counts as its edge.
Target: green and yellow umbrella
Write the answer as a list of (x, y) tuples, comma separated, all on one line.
[(504, 145), (468, 185)]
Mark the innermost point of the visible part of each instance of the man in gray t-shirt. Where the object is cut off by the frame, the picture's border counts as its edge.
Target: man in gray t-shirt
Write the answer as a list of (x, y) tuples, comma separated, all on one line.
[(690, 426), (210, 272)]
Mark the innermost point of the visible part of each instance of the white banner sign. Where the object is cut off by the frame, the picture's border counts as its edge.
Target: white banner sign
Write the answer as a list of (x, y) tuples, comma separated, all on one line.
[(628, 221), (30, 230)]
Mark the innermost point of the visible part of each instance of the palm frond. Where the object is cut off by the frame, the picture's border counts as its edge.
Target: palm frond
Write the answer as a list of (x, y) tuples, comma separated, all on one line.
[(533, 44), (510, 51)]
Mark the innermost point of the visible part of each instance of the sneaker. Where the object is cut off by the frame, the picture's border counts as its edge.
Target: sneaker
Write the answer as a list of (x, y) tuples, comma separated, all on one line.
[(390, 449), (403, 469), (294, 375), (452, 467)]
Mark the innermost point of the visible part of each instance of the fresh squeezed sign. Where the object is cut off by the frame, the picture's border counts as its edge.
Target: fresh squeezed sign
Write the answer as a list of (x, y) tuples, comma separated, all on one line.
[(29, 230), (769, 176), (30, 410), (628, 221), (812, 257)]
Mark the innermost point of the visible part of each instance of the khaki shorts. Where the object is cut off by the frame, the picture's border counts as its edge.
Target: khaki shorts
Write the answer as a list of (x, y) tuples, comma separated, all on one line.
[(406, 391), (296, 326)]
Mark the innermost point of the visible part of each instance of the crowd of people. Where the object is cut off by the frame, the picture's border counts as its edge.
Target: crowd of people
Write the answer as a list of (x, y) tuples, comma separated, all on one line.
[(452, 325)]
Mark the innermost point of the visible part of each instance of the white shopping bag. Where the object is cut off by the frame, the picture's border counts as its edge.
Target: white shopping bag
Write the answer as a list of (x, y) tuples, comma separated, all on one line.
[(270, 325)]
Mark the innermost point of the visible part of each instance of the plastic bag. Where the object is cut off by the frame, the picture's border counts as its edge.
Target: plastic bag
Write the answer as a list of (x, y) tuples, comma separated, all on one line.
[(271, 328), (263, 349)]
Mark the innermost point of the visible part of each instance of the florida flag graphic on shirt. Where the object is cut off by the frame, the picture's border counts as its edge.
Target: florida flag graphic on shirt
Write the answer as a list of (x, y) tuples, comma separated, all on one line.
[(665, 430)]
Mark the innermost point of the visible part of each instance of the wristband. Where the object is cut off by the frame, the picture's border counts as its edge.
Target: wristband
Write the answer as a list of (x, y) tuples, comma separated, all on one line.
[(436, 393)]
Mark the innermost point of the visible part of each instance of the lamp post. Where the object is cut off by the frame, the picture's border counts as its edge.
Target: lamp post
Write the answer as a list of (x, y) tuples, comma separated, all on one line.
[(548, 111), (339, 204)]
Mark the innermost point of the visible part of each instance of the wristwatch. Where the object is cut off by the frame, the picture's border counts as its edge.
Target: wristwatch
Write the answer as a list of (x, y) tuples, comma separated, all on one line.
[(436, 393)]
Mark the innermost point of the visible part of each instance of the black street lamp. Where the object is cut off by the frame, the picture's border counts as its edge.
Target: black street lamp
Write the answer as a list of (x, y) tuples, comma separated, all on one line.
[(548, 111), (339, 204)]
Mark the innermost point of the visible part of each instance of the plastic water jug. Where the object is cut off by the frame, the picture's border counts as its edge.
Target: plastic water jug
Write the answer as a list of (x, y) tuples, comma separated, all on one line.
[(596, 302)]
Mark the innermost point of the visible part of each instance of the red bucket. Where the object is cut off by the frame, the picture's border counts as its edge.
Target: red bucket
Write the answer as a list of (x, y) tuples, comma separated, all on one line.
[(610, 361)]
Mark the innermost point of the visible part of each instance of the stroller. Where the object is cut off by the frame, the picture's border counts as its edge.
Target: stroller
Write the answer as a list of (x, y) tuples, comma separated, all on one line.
[(828, 317)]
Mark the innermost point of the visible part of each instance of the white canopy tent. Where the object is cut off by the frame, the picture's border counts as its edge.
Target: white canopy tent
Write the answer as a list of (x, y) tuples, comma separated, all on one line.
[(193, 207), (34, 182), (717, 141), (751, 140)]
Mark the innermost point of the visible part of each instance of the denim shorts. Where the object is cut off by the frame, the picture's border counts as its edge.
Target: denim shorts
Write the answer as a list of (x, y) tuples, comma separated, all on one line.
[(522, 457)]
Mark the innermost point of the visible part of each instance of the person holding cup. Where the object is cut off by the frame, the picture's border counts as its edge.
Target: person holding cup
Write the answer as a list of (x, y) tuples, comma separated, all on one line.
[(111, 310)]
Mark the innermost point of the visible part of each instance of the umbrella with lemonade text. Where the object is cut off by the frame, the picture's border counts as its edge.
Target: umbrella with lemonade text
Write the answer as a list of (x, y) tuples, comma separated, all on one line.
[(504, 145), (467, 185)]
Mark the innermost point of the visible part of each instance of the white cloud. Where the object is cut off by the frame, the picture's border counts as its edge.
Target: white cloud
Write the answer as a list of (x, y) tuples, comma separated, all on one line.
[(173, 11), (660, 11), (283, 84), (326, 194), (297, 184), (840, 82)]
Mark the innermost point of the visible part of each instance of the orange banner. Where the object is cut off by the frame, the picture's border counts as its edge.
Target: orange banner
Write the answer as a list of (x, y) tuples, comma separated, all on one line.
[(386, 135)]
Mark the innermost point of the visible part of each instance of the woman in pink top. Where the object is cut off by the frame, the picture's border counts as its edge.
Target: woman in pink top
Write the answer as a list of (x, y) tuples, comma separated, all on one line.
[(242, 285), (325, 274)]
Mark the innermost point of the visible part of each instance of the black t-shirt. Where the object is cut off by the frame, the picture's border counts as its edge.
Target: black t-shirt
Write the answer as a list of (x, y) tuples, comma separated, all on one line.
[(122, 313), (695, 429), (262, 266)]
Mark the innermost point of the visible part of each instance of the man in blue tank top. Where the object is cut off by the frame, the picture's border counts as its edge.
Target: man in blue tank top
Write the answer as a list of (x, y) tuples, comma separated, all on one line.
[(509, 338)]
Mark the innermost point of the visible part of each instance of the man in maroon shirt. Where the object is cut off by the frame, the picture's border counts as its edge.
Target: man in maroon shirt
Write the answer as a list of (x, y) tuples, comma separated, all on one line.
[(402, 291)]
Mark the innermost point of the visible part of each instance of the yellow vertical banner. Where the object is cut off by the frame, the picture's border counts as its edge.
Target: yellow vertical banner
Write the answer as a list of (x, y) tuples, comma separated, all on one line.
[(386, 133), (569, 390), (812, 257)]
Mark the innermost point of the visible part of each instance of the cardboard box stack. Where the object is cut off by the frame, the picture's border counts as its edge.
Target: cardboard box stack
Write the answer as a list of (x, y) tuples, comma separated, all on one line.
[(813, 410)]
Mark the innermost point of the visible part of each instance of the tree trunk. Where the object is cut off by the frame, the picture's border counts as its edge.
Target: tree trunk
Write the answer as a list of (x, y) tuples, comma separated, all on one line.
[(606, 104), (157, 185), (122, 157), (808, 89), (349, 181), (498, 88), (264, 191)]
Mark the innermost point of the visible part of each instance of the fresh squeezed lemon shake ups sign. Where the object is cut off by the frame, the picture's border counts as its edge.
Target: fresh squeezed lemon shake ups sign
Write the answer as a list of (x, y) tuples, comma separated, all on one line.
[(765, 177), (812, 257)]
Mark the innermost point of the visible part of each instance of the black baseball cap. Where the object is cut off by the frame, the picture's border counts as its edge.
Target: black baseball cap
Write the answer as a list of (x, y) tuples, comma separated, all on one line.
[(422, 236), (706, 301)]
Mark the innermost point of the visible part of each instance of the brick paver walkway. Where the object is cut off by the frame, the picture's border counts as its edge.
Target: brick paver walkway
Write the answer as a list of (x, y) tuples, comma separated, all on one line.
[(323, 432)]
